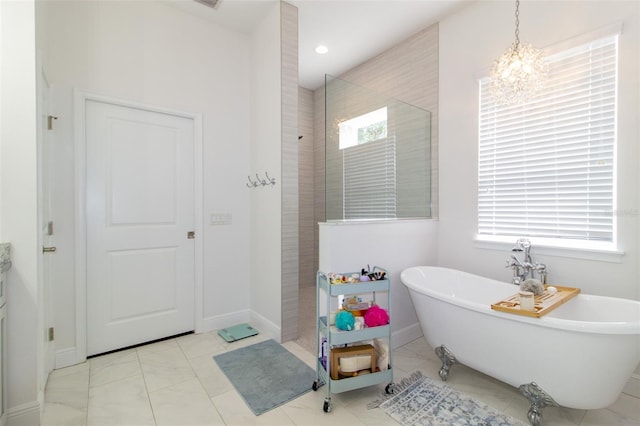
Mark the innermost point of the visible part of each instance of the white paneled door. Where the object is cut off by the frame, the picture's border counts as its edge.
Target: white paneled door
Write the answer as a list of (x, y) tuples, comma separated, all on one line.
[(140, 218)]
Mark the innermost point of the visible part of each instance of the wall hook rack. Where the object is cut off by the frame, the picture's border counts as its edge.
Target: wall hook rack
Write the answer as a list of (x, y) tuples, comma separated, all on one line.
[(270, 181), (260, 181), (251, 183)]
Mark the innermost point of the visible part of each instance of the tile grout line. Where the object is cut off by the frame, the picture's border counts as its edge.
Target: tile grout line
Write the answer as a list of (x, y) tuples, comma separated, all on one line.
[(146, 388), (200, 383), (86, 416)]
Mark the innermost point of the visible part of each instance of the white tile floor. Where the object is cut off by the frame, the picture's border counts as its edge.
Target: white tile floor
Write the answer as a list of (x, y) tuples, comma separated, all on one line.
[(176, 382)]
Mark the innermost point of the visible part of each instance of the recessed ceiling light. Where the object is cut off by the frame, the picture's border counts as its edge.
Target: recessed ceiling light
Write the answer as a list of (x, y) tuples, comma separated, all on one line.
[(322, 49)]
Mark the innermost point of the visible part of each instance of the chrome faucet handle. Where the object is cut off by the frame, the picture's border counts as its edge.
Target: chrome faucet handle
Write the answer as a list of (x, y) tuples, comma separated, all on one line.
[(541, 268), (522, 244), (515, 261)]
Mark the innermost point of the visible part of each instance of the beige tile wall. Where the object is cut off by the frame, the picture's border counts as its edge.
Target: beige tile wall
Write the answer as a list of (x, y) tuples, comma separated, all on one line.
[(289, 180), (407, 72), (306, 225), (318, 168)]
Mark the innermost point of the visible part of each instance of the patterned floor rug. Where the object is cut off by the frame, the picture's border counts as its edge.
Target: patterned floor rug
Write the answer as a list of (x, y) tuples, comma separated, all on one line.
[(419, 400)]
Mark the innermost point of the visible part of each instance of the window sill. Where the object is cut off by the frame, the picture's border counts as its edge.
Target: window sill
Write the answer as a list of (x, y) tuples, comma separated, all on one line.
[(578, 250)]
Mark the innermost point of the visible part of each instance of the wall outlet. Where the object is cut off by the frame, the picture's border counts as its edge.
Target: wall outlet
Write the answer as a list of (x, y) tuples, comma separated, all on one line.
[(220, 219)]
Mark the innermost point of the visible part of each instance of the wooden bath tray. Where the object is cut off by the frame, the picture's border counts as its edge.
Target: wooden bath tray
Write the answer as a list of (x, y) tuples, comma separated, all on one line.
[(543, 304)]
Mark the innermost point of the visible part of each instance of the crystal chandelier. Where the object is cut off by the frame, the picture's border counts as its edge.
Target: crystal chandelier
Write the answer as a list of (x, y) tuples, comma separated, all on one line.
[(519, 72)]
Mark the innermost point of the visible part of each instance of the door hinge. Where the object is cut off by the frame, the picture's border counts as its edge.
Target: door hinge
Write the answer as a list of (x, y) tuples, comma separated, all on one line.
[(51, 334), (191, 235)]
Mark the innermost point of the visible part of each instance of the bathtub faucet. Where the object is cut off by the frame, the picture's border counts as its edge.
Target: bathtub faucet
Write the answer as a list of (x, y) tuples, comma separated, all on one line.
[(525, 269)]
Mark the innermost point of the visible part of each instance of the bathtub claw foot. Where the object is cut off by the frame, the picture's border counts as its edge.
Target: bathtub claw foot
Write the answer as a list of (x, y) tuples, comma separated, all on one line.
[(539, 399), (448, 359)]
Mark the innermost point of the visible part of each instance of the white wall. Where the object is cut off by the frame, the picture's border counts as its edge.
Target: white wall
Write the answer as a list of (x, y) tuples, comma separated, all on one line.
[(469, 41), (266, 137), (156, 54), (393, 245), (18, 205)]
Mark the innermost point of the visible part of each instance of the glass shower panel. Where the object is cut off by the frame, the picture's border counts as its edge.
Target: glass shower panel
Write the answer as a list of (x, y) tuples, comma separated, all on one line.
[(377, 155)]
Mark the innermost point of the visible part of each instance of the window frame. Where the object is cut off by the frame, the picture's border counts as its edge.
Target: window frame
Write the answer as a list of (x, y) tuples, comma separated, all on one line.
[(589, 249)]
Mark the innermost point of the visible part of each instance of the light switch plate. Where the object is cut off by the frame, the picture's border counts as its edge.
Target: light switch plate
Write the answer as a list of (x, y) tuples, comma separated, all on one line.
[(220, 219)]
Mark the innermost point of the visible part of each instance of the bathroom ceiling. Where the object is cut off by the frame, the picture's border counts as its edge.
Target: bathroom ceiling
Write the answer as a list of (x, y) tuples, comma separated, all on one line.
[(353, 30)]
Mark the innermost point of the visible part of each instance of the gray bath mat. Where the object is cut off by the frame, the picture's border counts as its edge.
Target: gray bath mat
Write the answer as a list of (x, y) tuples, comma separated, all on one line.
[(266, 375)]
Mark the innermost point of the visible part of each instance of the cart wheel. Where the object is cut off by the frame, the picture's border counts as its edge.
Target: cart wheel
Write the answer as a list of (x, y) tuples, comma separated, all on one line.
[(389, 388), (326, 407), (315, 385)]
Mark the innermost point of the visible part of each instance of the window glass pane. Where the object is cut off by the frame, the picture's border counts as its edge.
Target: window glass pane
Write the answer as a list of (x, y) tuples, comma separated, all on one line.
[(365, 128)]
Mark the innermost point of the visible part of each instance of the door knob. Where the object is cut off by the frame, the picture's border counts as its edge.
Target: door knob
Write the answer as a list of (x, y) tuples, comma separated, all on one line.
[(49, 249)]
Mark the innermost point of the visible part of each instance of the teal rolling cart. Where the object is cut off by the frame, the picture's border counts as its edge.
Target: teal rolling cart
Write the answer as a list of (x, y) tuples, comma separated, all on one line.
[(326, 293)]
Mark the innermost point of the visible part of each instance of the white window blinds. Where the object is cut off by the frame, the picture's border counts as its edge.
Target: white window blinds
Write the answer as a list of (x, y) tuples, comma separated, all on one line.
[(370, 180), (546, 167)]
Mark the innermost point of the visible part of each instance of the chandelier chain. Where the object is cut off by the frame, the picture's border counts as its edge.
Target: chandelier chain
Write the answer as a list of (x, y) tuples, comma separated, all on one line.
[(517, 24)]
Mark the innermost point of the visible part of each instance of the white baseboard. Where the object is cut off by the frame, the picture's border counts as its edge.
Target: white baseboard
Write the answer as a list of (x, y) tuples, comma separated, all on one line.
[(226, 320), (406, 335), (265, 326), (633, 386), (65, 358), (24, 414)]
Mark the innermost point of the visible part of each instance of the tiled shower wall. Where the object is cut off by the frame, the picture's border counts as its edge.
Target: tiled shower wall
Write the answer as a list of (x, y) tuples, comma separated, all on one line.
[(307, 224), (290, 218), (407, 72)]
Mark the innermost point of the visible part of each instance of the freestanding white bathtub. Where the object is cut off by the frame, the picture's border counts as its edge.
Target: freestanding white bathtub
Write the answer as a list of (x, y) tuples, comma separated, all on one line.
[(581, 354)]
